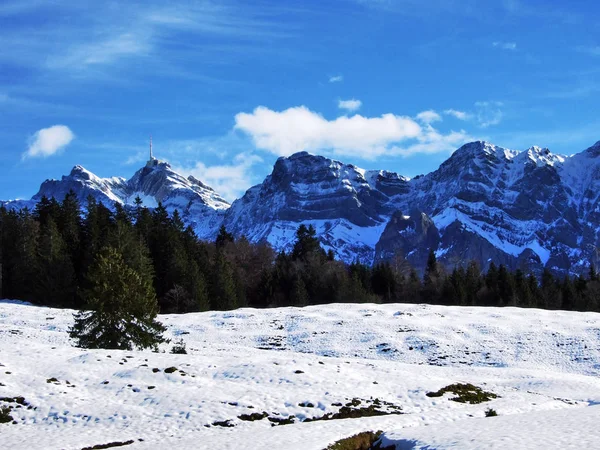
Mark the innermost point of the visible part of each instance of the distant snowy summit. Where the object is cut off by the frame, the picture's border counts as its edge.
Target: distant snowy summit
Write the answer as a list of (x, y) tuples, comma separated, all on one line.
[(199, 205), (527, 209)]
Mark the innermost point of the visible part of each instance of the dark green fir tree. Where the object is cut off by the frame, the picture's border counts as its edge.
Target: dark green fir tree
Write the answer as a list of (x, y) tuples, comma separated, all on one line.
[(121, 307)]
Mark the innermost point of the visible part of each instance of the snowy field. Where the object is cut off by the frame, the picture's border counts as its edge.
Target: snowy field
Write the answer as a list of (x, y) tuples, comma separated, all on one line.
[(543, 365)]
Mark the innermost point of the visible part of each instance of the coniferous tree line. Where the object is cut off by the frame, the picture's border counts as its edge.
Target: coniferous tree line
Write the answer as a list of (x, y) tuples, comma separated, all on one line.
[(53, 254)]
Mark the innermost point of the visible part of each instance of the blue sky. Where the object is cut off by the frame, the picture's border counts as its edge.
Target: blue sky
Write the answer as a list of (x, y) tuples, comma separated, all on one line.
[(226, 87)]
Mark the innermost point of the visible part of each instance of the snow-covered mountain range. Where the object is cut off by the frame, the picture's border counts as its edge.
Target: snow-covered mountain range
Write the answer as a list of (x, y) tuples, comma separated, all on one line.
[(529, 209)]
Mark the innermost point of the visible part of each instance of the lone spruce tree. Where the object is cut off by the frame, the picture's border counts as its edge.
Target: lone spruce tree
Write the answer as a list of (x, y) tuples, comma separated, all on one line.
[(121, 307)]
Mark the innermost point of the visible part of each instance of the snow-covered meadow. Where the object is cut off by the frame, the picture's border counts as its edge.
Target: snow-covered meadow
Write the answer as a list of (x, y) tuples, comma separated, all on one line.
[(306, 363)]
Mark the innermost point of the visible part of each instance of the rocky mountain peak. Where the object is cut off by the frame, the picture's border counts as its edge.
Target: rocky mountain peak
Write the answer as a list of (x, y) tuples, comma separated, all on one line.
[(540, 156), (476, 152), (476, 162), (299, 165), (476, 149), (80, 172), (534, 149), (594, 150), (157, 164), (307, 174)]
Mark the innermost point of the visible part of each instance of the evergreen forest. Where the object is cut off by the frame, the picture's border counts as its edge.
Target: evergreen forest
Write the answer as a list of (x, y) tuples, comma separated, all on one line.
[(49, 255)]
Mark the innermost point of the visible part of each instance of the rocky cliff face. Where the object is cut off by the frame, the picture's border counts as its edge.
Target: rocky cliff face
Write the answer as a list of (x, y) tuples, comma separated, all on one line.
[(527, 210), (407, 241), (340, 200)]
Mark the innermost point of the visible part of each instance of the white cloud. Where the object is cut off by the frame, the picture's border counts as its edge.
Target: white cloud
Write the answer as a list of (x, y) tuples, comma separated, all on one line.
[(101, 52), (49, 141), (229, 180), (121, 46), (505, 45), (298, 128), (137, 158), (485, 114), (433, 141), (429, 116), (349, 105), (488, 113), (460, 115), (336, 78)]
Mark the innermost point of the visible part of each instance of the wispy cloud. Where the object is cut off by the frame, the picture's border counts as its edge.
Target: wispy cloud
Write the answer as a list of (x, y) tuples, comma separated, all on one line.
[(295, 129), (593, 50), (432, 142), (336, 79), (484, 113), (101, 39), (492, 11), (420, 9), (100, 53), (567, 140), (488, 113), (188, 151), (349, 105), (229, 180), (27, 104), (505, 45), (49, 141), (12, 7), (460, 115), (429, 116), (137, 158), (581, 89), (544, 10)]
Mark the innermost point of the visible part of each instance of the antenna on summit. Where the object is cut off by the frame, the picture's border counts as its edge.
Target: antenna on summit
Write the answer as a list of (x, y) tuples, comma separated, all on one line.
[(152, 161)]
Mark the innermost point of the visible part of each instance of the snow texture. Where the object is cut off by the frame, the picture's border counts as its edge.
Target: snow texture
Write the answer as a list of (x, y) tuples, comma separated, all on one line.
[(543, 365)]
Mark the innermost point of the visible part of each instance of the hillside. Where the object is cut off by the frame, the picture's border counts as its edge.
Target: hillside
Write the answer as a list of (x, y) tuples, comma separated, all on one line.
[(543, 365)]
